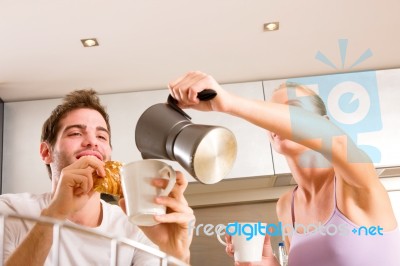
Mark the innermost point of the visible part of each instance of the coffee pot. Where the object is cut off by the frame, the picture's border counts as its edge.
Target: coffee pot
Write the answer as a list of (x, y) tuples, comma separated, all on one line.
[(165, 131)]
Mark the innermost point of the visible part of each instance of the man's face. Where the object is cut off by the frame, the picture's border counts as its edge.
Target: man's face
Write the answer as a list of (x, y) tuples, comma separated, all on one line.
[(82, 132)]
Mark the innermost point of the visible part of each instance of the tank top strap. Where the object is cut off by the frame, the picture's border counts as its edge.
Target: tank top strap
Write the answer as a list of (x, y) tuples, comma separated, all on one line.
[(292, 206), (294, 192), (334, 192)]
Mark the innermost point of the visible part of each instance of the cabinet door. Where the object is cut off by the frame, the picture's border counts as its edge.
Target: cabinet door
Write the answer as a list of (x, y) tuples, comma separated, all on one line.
[(125, 110), (369, 116), (387, 139), (253, 148), (279, 161)]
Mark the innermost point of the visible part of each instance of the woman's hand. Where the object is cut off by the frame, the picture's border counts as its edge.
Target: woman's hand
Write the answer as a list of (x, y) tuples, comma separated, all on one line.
[(268, 258), (185, 89)]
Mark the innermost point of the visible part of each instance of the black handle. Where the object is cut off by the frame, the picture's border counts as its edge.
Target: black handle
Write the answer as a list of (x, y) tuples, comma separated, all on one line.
[(204, 95)]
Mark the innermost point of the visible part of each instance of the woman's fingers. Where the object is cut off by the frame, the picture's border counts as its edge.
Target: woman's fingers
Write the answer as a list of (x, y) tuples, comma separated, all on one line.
[(229, 247), (185, 89)]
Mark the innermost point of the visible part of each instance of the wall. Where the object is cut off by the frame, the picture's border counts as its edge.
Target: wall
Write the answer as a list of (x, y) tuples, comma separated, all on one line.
[(1, 141), (24, 171)]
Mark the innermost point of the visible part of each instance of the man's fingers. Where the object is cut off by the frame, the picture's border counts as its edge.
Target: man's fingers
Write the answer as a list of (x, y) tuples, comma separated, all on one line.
[(173, 204), (177, 191), (175, 217), (89, 161), (122, 204), (78, 178)]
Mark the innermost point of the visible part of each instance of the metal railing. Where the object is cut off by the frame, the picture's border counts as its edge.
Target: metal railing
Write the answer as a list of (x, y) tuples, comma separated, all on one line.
[(165, 259)]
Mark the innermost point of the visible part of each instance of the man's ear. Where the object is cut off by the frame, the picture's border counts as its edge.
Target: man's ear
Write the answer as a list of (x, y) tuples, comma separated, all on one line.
[(45, 152)]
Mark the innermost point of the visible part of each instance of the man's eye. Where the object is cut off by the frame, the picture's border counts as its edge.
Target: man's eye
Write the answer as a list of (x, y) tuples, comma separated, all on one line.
[(74, 134), (102, 137)]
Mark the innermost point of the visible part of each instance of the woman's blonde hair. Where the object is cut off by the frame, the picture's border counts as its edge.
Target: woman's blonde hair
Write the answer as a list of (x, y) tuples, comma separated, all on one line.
[(311, 101)]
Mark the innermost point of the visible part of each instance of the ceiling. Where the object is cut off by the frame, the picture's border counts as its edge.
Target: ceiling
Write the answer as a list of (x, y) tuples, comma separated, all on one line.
[(146, 44)]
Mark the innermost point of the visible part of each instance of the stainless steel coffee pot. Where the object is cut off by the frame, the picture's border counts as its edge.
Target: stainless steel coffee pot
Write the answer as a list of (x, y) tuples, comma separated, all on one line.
[(207, 152)]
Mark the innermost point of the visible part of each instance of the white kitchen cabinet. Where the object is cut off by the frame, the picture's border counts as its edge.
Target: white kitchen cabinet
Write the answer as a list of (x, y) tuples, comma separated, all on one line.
[(279, 161), (21, 146), (253, 156), (23, 122), (125, 110), (387, 139), (364, 104), (254, 151)]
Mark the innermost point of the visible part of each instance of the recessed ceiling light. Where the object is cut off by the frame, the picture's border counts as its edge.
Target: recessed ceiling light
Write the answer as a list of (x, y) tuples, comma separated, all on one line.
[(271, 26), (90, 42)]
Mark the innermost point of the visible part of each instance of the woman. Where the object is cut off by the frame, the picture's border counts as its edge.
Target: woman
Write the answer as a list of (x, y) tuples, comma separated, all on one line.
[(340, 212)]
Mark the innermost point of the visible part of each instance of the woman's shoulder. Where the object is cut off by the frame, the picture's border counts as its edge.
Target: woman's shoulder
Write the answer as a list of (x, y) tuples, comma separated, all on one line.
[(284, 205)]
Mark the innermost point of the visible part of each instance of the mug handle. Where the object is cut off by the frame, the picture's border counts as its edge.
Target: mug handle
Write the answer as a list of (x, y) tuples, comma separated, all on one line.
[(167, 171)]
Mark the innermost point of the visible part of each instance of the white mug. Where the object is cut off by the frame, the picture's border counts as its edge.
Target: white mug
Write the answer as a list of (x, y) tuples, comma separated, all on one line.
[(247, 240), (139, 193)]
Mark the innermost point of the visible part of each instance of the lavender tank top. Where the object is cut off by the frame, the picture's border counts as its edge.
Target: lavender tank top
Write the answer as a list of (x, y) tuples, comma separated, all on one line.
[(340, 242)]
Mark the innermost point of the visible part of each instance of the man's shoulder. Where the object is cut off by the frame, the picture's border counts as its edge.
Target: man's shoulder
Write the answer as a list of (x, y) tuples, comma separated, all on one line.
[(24, 203), (25, 197)]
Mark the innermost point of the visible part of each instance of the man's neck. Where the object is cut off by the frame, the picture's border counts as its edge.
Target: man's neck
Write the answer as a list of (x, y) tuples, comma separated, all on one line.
[(91, 214)]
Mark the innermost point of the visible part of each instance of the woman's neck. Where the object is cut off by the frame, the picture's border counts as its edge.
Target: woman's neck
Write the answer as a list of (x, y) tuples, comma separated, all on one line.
[(311, 171)]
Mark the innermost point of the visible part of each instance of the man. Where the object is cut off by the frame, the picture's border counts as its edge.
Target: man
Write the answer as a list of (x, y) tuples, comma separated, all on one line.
[(75, 143)]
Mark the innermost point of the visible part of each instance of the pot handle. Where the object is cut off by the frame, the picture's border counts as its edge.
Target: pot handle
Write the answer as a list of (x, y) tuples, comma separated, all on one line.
[(204, 95)]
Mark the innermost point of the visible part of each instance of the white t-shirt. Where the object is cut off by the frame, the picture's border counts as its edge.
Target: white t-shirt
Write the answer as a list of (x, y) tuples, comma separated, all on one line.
[(76, 246)]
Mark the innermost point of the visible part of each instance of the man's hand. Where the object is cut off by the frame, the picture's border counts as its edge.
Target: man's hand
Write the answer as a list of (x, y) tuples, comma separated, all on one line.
[(74, 187), (173, 234)]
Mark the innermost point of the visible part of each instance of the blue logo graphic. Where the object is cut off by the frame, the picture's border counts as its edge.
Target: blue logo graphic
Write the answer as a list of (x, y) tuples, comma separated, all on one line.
[(351, 99), (256, 229), (248, 230)]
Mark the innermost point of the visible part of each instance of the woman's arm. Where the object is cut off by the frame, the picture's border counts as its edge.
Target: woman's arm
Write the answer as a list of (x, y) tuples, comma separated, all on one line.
[(290, 122), (359, 191)]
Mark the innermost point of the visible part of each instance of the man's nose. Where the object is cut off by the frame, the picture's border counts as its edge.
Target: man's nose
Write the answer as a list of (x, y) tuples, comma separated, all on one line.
[(90, 140)]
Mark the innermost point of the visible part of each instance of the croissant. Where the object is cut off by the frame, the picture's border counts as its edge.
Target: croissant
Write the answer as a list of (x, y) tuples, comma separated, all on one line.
[(111, 183)]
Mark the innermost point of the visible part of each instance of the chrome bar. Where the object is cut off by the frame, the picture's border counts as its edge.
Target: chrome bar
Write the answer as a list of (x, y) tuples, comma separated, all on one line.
[(164, 262), (165, 259), (2, 230), (114, 247), (56, 244)]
